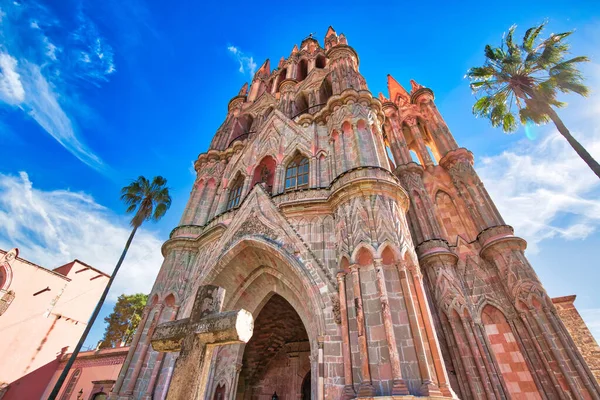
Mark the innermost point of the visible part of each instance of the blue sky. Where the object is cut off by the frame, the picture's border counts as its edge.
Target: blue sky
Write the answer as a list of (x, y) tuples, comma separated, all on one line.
[(94, 93)]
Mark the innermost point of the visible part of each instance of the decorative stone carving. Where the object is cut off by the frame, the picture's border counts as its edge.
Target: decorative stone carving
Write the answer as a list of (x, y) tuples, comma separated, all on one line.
[(335, 308)]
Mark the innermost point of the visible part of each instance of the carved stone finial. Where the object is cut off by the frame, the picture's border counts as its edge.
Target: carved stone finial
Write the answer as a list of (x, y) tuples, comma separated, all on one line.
[(243, 90), (415, 86)]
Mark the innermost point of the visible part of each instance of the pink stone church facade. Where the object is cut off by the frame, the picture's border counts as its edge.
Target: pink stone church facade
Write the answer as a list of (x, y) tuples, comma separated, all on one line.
[(355, 230)]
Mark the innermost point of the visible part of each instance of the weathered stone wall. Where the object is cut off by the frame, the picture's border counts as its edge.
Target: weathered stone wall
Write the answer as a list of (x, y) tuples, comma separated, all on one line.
[(579, 331)]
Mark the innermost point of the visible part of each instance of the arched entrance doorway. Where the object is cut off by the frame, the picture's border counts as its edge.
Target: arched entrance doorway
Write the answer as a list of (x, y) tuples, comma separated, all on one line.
[(276, 359), (279, 291)]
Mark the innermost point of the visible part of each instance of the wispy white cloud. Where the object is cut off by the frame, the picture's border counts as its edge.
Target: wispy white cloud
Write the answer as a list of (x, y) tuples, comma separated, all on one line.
[(42, 104), (542, 187), (54, 227), (11, 88), (40, 70), (246, 62), (96, 56)]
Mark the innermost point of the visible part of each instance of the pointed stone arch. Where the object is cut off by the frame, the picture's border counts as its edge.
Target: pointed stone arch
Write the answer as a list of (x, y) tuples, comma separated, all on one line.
[(388, 245), (362, 246), (507, 353), (264, 172), (299, 150), (450, 219), (254, 270)]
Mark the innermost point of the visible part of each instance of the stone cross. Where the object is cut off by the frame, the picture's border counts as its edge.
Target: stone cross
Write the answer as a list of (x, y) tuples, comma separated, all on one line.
[(196, 337)]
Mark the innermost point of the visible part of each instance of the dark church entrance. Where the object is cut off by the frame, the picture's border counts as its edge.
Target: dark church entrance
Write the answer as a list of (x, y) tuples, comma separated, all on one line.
[(306, 387), (276, 359)]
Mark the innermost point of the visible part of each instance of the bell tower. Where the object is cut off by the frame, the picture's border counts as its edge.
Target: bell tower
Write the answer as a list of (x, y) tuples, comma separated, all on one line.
[(495, 322), (355, 230)]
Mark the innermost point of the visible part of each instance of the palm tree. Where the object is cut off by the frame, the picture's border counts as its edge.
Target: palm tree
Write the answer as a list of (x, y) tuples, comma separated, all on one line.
[(149, 201), (529, 75)]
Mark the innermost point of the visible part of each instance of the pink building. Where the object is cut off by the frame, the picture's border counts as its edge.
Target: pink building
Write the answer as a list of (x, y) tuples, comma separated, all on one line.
[(91, 377), (42, 315)]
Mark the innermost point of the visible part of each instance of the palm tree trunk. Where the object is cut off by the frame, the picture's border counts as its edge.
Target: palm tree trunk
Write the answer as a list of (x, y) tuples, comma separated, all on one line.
[(65, 371), (579, 149)]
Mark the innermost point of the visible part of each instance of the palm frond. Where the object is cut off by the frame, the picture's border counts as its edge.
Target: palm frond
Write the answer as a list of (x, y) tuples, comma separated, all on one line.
[(528, 75), (509, 122), (530, 35), (148, 199)]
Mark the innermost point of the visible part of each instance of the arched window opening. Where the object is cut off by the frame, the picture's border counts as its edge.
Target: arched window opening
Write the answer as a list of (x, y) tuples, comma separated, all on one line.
[(220, 392), (100, 396), (424, 131), (2, 277), (264, 173), (302, 70), (325, 92), (235, 193), (241, 128), (431, 155), (390, 156), (321, 61), (296, 173), (280, 78), (408, 137), (301, 104), (415, 157), (71, 385)]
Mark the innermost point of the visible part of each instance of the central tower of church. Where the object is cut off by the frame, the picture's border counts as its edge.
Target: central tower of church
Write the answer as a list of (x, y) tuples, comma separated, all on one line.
[(359, 236)]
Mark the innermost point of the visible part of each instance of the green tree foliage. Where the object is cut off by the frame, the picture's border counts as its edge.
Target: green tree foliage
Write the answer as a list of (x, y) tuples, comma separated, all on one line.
[(124, 320), (520, 83)]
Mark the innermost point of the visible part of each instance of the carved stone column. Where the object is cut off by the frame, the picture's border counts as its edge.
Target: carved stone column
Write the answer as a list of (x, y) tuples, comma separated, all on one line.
[(459, 164), (366, 388), (399, 387), (425, 225), (332, 159), (314, 175), (223, 200), (396, 138), (143, 351), (439, 131), (416, 132), (428, 387), (432, 340), (158, 364), (346, 354), (191, 206), (278, 182)]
